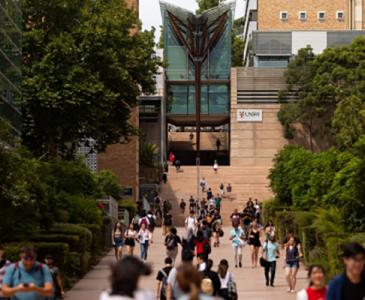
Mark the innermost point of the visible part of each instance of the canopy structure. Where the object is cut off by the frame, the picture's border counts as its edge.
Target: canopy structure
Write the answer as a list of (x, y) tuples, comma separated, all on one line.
[(195, 37)]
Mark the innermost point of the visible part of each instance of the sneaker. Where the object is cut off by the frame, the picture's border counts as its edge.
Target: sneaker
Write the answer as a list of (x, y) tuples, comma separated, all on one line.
[(235, 266), (272, 285), (240, 264), (267, 283)]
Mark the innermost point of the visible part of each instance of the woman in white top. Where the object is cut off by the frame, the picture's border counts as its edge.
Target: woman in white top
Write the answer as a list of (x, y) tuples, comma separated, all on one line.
[(145, 240), (225, 277), (124, 281), (117, 240), (215, 166), (130, 239)]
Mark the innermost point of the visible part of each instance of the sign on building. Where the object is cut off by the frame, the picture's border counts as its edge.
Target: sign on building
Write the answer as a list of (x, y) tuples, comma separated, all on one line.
[(249, 115)]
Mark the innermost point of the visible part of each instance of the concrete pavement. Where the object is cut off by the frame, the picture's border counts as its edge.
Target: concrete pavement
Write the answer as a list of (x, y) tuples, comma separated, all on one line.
[(250, 282)]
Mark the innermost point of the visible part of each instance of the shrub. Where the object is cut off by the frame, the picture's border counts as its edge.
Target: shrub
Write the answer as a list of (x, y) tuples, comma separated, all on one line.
[(73, 241)]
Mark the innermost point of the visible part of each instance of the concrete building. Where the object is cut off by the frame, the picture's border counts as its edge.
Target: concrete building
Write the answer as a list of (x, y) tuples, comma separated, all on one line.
[(276, 29), (10, 62)]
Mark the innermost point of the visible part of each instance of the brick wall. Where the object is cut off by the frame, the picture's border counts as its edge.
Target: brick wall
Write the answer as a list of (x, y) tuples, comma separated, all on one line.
[(269, 14)]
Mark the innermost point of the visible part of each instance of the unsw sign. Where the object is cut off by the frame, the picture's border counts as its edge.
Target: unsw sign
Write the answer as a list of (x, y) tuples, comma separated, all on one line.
[(249, 115)]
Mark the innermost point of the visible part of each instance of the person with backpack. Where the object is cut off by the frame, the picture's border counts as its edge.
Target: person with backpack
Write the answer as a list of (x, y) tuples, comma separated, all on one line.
[(152, 221), (271, 253), (292, 253), (227, 290), (143, 219), (59, 292), (27, 278), (182, 205), (162, 277), (213, 276), (172, 241)]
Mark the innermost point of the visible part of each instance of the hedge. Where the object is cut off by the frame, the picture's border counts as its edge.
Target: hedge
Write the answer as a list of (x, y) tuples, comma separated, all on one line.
[(72, 240)]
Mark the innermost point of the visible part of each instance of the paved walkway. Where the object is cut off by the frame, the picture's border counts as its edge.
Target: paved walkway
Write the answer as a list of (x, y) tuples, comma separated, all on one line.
[(250, 282)]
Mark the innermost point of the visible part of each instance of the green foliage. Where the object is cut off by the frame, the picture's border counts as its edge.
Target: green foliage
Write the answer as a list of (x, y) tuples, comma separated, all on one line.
[(206, 4), (128, 204), (237, 51), (331, 89), (147, 154), (66, 95)]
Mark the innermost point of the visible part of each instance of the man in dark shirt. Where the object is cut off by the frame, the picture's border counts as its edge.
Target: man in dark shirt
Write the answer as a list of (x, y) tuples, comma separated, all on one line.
[(213, 276), (351, 284), (161, 278)]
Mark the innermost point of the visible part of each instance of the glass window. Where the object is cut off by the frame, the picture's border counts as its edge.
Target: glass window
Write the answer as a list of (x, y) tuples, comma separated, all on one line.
[(191, 100), (177, 99), (218, 99)]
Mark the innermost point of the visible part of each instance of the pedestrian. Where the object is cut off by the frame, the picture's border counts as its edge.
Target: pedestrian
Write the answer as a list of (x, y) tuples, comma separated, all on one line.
[(207, 230), (172, 241), (221, 189), (269, 229), (217, 227), (145, 240), (4, 265), (161, 278), (192, 203), (237, 236), (235, 218), (151, 220), (292, 254), (254, 242), (130, 238), (213, 276), (173, 290), (271, 253), (189, 281), (59, 292), (182, 205), (317, 285), (209, 194), (171, 157), (203, 184), (202, 245), (225, 278), (167, 223), (124, 281), (144, 219), (177, 165), (351, 284), (117, 240), (27, 278), (164, 177), (202, 262), (218, 144), (191, 222), (218, 202), (188, 243), (215, 166), (229, 189)]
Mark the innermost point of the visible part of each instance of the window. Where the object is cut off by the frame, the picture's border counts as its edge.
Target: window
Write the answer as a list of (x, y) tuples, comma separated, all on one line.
[(340, 15), (284, 16), (321, 15), (302, 16)]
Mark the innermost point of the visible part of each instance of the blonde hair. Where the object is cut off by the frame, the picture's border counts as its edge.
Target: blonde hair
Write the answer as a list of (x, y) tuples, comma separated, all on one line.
[(207, 287)]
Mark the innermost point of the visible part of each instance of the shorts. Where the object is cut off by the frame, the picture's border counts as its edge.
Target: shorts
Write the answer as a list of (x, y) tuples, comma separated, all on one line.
[(237, 249), (292, 264), (130, 242), (118, 242)]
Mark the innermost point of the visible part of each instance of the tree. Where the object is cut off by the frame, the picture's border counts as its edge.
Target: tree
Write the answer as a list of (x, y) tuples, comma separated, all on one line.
[(85, 64), (330, 89), (206, 4)]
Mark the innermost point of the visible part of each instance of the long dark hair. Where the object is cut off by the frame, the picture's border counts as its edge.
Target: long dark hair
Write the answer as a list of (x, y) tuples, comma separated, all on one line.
[(223, 268), (115, 226), (125, 275)]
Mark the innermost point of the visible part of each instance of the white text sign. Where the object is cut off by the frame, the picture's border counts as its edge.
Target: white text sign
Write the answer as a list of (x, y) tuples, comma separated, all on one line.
[(249, 115)]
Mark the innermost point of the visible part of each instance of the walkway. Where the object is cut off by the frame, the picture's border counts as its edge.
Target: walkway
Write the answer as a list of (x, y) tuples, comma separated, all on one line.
[(250, 282)]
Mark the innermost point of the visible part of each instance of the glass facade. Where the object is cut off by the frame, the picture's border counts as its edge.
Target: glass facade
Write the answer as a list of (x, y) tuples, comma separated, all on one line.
[(214, 99), (180, 70), (10, 61)]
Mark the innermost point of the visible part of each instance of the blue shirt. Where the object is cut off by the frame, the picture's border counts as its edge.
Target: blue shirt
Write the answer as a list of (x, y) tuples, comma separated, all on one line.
[(237, 233), (15, 276), (271, 249)]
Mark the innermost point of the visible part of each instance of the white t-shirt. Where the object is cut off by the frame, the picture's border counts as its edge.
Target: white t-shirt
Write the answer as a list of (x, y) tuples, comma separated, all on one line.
[(225, 280), (190, 222)]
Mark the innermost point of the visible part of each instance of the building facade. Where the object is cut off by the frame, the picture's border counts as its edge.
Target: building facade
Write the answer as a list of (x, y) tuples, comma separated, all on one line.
[(185, 54), (10, 62)]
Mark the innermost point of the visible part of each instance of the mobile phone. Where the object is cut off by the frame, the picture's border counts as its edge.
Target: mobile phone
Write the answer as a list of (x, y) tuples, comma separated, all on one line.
[(26, 284)]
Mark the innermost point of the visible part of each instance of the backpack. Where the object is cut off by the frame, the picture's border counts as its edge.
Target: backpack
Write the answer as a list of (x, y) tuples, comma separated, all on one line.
[(171, 243), (164, 283), (152, 221)]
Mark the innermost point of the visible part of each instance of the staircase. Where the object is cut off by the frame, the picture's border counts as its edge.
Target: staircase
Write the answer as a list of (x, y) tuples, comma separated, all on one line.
[(245, 181)]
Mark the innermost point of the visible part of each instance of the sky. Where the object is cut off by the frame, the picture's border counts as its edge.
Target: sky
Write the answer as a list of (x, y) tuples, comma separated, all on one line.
[(149, 12)]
